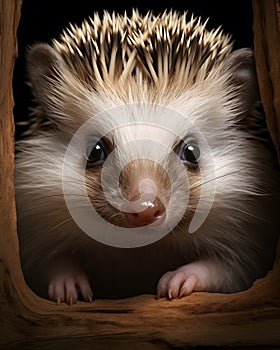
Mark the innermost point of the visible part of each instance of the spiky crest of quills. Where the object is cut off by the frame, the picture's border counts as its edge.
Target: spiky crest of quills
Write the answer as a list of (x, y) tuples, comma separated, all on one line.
[(165, 48), (169, 50)]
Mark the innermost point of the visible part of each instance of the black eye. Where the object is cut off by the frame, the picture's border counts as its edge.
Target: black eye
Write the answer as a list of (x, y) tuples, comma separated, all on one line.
[(96, 155), (190, 153)]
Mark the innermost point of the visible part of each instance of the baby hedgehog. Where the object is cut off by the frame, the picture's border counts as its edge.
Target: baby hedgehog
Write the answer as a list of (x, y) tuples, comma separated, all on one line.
[(146, 167)]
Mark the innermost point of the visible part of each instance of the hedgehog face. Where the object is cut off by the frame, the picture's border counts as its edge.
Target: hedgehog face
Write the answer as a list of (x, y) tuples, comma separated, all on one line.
[(144, 168), (134, 174)]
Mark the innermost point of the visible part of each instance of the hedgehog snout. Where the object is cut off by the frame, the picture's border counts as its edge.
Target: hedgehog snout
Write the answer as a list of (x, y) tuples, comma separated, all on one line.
[(153, 213), (145, 207)]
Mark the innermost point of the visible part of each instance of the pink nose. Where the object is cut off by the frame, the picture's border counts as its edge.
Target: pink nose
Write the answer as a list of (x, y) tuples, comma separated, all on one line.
[(154, 211)]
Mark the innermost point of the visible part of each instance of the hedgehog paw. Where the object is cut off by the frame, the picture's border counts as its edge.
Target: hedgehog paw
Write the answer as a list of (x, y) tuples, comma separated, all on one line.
[(66, 288), (179, 283)]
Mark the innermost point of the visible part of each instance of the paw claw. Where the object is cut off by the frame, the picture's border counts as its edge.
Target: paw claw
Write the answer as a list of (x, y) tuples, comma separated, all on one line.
[(169, 294), (65, 288), (178, 283)]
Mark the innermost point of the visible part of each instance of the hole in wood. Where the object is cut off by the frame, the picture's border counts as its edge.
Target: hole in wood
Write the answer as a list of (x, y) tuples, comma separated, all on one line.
[(250, 317), (250, 260)]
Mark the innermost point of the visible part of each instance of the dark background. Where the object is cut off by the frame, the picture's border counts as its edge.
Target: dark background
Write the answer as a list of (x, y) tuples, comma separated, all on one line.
[(42, 20)]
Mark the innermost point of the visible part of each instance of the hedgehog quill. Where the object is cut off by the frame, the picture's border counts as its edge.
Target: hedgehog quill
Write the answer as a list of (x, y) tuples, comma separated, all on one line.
[(146, 167)]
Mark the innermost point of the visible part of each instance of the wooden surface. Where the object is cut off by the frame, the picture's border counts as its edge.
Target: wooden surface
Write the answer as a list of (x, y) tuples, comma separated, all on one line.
[(267, 55), (249, 318), (278, 13)]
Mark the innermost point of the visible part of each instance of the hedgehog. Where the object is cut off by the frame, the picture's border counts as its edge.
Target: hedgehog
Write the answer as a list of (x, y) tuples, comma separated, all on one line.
[(146, 167)]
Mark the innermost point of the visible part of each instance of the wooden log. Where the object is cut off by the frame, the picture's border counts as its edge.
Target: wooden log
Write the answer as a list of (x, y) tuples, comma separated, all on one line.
[(267, 55), (9, 257), (248, 318)]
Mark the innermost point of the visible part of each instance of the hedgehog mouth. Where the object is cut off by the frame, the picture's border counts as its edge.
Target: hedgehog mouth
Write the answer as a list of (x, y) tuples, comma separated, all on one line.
[(139, 212)]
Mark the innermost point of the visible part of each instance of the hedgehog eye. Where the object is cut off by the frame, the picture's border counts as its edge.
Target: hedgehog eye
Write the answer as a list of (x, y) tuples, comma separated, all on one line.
[(96, 155), (190, 153)]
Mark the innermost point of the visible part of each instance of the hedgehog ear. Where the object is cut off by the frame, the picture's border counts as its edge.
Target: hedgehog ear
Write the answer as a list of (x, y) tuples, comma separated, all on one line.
[(42, 64), (243, 78)]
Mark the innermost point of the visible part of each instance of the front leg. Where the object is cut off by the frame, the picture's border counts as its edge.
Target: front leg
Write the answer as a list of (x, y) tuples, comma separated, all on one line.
[(67, 281), (198, 276)]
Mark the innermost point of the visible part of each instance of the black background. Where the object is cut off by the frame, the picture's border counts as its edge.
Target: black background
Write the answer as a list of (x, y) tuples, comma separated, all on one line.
[(42, 20)]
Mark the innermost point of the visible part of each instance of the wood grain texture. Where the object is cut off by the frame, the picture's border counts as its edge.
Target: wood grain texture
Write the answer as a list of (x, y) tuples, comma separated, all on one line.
[(267, 54), (278, 13), (248, 318), (9, 260)]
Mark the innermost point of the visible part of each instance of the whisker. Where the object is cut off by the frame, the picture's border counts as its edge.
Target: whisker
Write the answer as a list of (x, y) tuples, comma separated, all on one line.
[(211, 180), (251, 215), (60, 224)]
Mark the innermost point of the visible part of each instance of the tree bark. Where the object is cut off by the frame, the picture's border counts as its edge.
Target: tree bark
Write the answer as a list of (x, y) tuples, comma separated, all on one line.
[(247, 318), (267, 56)]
